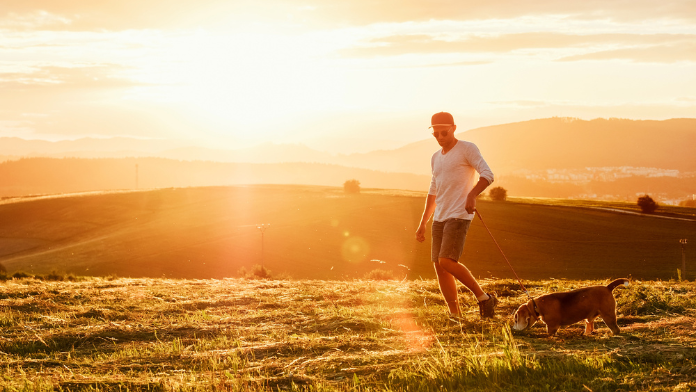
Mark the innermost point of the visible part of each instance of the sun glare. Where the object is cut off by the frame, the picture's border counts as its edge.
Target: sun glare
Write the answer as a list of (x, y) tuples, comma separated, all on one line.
[(249, 82), (286, 73)]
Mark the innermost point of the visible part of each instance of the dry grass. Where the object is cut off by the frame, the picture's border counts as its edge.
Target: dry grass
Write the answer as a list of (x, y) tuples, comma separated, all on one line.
[(233, 334)]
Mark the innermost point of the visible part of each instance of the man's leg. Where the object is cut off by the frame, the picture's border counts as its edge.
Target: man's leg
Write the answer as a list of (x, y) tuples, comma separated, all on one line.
[(463, 275), (449, 250), (448, 287), (486, 302)]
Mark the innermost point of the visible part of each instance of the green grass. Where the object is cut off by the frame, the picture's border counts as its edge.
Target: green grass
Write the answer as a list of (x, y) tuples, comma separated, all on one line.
[(321, 233), (249, 335)]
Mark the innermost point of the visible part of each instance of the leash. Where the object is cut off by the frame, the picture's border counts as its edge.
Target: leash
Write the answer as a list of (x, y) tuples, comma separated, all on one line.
[(478, 213)]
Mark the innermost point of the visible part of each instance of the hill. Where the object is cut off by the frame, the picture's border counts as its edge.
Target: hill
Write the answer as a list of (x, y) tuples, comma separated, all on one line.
[(542, 144), (31, 176), (241, 335), (124, 145), (67, 175), (557, 143), (320, 233), (614, 159)]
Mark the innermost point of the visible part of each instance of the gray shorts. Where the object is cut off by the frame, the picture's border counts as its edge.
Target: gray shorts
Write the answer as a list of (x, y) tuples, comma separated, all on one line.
[(448, 238)]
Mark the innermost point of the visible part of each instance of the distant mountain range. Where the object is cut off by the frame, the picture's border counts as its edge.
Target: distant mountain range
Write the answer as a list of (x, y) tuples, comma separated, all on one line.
[(15, 146), (611, 159), (543, 144)]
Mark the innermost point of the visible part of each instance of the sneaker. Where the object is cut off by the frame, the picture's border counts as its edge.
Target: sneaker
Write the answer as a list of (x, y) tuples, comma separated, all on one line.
[(487, 307)]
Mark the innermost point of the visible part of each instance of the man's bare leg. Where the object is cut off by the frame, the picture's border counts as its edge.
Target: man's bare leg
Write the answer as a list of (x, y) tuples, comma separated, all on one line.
[(448, 287), (463, 275)]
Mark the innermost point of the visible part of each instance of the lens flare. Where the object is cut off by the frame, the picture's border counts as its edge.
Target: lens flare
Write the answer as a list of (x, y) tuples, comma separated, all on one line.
[(355, 250), (414, 336)]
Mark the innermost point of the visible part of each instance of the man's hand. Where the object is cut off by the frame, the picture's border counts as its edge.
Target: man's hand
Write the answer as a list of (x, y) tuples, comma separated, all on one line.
[(470, 206), (480, 186), (420, 233), (427, 213)]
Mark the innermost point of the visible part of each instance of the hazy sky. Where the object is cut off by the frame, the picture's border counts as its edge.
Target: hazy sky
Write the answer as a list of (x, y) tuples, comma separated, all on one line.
[(336, 75)]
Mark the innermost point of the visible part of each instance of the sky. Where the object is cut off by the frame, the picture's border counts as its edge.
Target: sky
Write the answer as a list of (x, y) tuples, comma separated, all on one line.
[(338, 76)]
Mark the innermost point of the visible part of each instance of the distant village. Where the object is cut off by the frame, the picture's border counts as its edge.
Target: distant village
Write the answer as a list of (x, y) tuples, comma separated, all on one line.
[(607, 174)]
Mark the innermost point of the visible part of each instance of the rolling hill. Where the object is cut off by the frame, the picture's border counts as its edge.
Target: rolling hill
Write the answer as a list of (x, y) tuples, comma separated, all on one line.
[(115, 145), (550, 143), (557, 143), (29, 176), (614, 159), (320, 233)]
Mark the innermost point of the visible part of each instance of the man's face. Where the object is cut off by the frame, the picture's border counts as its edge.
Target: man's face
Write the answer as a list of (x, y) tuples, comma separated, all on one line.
[(443, 133)]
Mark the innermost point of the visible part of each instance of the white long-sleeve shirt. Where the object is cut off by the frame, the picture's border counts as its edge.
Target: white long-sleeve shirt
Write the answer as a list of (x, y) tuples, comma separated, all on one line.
[(454, 176)]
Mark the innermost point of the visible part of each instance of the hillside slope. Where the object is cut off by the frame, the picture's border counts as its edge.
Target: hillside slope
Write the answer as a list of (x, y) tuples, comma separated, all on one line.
[(541, 144), (320, 233), (557, 143), (68, 175)]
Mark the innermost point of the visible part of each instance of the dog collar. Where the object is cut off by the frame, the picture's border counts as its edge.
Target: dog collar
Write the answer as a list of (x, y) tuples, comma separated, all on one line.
[(534, 308)]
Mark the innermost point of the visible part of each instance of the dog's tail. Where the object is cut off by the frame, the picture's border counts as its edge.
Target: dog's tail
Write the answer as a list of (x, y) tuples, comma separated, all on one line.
[(618, 282)]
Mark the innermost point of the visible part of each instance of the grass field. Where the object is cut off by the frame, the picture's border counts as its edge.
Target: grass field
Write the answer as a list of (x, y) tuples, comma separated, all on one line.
[(321, 233), (248, 335), (662, 210)]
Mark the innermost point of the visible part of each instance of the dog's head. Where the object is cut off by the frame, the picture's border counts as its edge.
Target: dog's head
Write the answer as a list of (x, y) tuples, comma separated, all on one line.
[(524, 317)]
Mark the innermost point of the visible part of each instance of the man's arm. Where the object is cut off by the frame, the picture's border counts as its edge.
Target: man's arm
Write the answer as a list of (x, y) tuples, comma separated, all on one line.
[(476, 160), (471, 198), (427, 213)]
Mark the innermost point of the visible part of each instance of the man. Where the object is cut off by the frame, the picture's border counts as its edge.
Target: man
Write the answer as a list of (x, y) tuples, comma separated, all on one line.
[(452, 197)]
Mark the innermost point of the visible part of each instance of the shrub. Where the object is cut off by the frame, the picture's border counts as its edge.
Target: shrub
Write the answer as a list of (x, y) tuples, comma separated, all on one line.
[(261, 272), (21, 275), (59, 277), (55, 276), (379, 274), (257, 272), (351, 186), (498, 193), (647, 204)]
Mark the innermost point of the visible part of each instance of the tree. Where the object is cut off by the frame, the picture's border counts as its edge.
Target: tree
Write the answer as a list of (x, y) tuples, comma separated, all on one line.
[(351, 186), (498, 193), (647, 204)]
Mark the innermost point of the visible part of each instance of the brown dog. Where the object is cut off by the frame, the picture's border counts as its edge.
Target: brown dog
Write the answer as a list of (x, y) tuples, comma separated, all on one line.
[(566, 308)]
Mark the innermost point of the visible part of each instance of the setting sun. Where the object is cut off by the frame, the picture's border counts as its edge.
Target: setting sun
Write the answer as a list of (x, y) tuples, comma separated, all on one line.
[(326, 73)]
